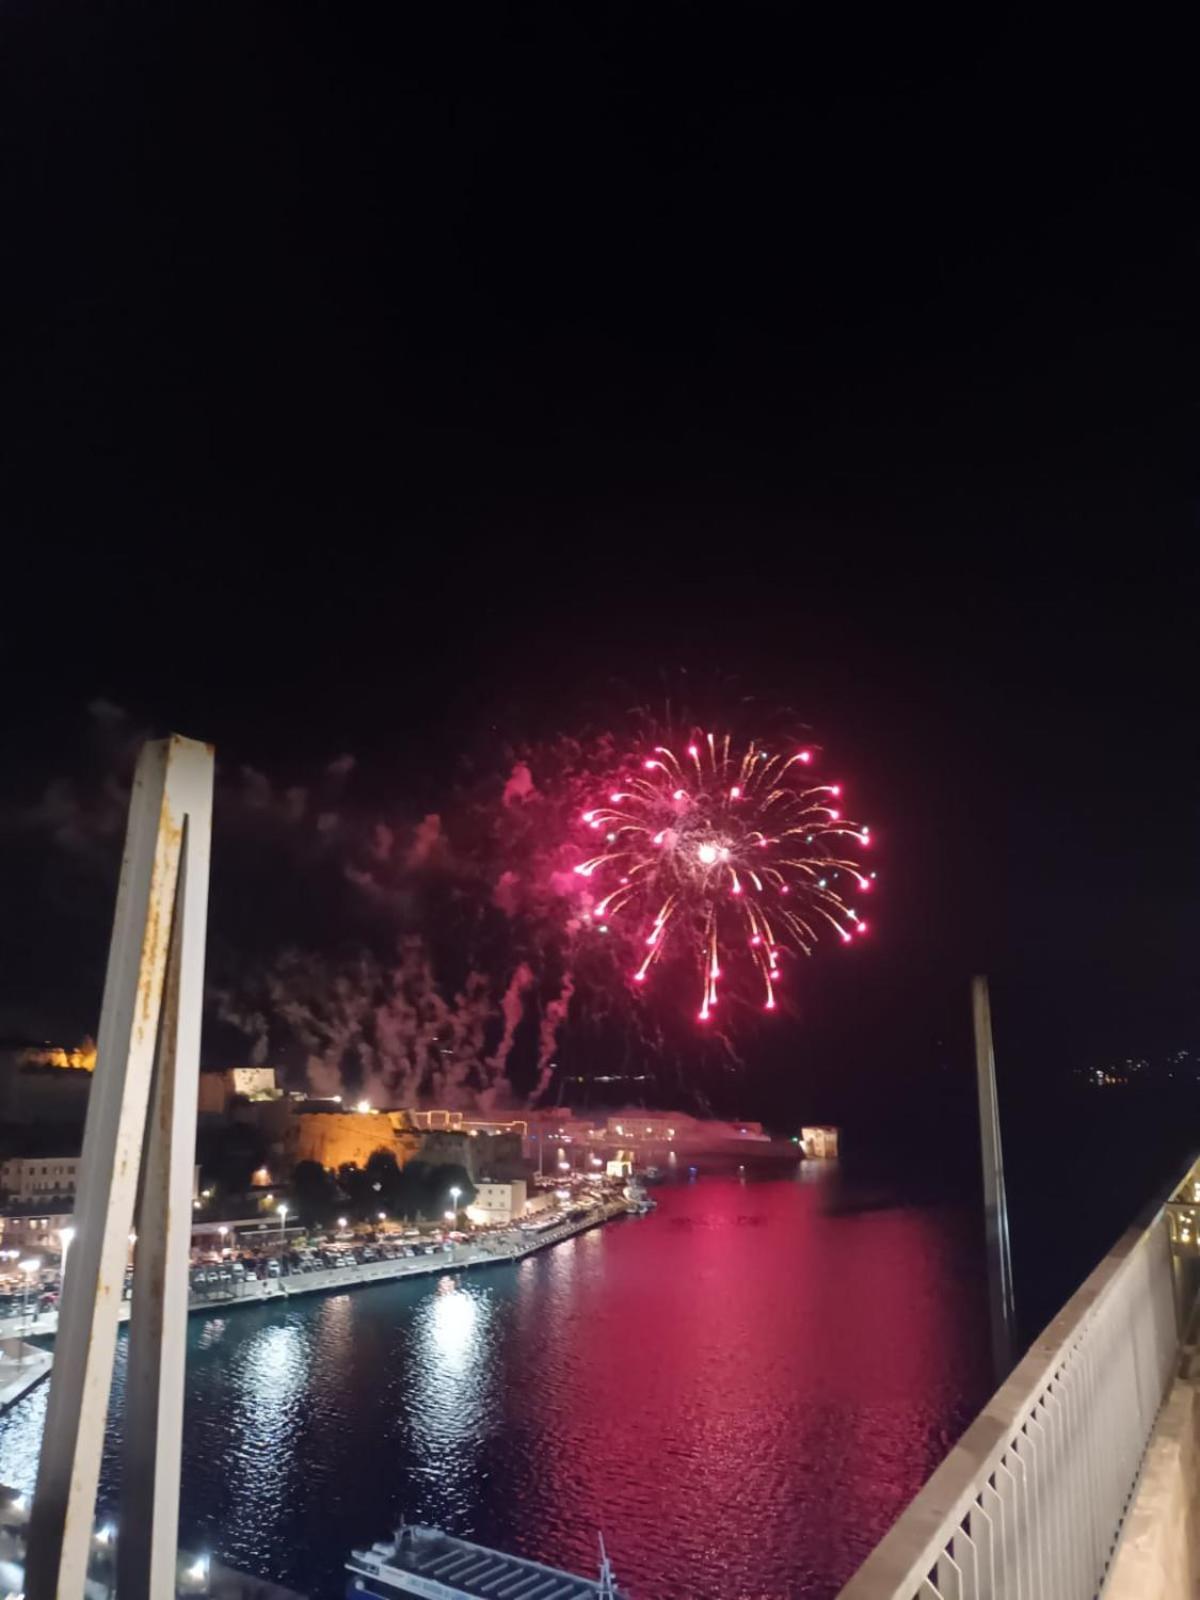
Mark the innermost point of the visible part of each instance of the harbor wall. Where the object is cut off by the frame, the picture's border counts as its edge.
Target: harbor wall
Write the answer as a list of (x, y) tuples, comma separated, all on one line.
[(463, 1258)]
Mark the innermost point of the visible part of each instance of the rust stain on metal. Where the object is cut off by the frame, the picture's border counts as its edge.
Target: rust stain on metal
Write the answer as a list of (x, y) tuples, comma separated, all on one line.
[(158, 922)]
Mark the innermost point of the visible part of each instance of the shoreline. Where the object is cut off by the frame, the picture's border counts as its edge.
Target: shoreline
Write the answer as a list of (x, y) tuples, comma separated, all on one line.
[(275, 1291)]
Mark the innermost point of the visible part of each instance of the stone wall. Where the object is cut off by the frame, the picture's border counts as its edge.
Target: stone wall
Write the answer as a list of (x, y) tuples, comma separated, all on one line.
[(337, 1138)]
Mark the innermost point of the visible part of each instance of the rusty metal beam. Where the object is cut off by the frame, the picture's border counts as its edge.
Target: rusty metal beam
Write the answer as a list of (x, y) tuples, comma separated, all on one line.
[(141, 1119)]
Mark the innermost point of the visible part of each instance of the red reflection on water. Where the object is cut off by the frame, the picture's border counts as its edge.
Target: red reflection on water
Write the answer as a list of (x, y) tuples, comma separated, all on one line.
[(741, 1390)]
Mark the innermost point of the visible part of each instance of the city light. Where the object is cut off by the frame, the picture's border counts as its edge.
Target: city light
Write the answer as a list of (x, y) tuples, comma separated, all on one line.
[(363, 1107), (341, 1222)]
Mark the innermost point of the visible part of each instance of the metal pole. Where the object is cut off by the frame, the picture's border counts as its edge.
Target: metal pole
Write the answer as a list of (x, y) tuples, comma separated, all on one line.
[(995, 1202), (141, 1119)]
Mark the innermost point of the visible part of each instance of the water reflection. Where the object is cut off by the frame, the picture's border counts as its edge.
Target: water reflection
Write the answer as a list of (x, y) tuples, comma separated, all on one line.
[(740, 1389), (267, 1383), (449, 1347), (453, 1327), (22, 1441), (450, 1411)]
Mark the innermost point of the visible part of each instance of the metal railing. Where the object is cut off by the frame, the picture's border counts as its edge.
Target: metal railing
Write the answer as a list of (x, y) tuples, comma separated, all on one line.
[(1030, 1503)]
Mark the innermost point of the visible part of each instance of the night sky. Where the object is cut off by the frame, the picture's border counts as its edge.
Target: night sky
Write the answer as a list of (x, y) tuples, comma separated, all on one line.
[(386, 387)]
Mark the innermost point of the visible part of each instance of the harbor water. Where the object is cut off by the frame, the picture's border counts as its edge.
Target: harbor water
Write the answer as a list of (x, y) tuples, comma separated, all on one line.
[(741, 1391)]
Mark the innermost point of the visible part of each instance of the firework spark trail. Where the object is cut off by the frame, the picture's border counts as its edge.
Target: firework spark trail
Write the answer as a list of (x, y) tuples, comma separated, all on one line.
[(553, 1017), (513, 1009), (726, 854)]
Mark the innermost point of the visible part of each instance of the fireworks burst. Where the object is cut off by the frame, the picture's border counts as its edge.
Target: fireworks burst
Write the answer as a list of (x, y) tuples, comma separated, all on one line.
[(727, 855)]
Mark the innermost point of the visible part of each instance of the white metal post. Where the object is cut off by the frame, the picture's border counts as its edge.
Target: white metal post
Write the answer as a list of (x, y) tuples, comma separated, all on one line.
[(141, 1119), (995, 1200)]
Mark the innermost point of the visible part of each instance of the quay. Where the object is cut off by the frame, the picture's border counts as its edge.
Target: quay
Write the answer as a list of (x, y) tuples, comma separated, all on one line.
[(495, 1250), (22, 1367)]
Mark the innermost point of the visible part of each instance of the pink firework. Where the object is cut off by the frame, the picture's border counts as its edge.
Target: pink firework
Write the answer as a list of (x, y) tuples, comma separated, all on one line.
[(732, 856)]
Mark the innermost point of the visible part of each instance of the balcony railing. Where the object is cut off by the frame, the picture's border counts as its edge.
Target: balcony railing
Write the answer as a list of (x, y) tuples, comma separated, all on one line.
[(1030, 1503)]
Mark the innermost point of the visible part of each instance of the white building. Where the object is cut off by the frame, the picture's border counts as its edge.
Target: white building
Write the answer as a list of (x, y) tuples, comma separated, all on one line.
[(254, 1082), (655, 1125), (33, 1179), (500, 1203)]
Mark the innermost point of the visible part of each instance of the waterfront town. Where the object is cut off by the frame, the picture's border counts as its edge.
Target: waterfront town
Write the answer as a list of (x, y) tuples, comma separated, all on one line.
[(293, 1193)]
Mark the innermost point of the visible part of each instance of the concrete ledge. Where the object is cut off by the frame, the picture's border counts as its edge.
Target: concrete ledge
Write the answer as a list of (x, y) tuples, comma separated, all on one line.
[(1158, 1557), (22, 1367), (277, 1291)]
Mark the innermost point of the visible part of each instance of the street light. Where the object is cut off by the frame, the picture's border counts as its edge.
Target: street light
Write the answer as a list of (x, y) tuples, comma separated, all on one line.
[(342, 1224), (454, 1194), (283, 1211), (65, 1237)]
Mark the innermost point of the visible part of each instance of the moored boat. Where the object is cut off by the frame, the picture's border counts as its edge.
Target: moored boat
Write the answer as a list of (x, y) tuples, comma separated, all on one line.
[(636, 1198), (428, 1562)]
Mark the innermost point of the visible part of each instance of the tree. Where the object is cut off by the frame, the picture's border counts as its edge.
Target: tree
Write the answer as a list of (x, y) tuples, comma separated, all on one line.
[(433, 1186), (352, 1181), (314, 1192), (229, 1157)]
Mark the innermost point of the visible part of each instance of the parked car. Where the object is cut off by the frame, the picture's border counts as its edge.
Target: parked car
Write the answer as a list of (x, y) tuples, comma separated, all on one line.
[(273, 1268)]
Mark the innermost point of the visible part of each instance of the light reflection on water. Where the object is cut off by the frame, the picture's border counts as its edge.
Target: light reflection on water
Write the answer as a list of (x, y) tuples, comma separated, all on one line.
[(740, 1390)]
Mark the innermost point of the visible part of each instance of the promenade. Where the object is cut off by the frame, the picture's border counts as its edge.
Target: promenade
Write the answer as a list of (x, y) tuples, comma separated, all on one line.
[(495, 1249)]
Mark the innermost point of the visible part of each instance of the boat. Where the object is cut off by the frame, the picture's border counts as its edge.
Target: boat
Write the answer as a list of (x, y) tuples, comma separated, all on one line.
[(428, 1562), (636, 1198)]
